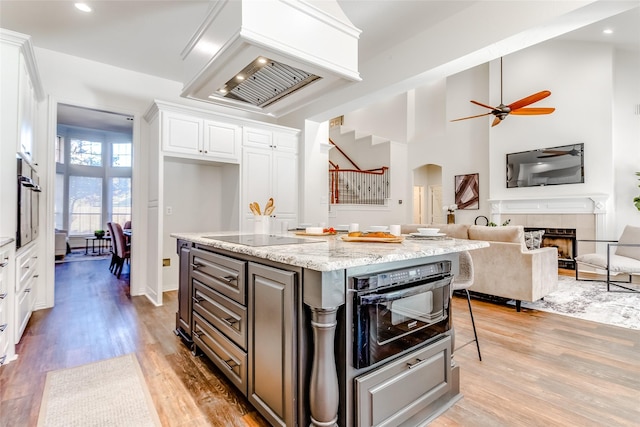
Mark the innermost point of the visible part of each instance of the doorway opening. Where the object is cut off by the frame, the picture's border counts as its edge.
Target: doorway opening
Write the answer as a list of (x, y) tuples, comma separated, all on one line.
[(93, 180), (427, 194)]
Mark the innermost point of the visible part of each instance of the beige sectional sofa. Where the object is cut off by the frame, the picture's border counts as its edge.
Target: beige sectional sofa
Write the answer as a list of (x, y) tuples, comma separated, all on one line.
[(507, 268)]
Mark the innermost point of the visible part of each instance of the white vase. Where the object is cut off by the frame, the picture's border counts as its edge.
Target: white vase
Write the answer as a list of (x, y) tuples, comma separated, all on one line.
[(261, 224)]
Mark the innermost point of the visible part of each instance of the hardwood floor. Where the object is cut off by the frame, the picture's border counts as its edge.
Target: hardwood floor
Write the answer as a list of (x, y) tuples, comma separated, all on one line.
[(537, 369)]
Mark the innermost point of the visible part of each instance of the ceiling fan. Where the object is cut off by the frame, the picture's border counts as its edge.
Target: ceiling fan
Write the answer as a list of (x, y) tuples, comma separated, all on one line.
[(557, 153), (517, 108)]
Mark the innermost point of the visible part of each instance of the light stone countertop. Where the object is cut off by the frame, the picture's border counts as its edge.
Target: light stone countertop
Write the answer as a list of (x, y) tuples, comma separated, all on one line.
[(331, 253), (5, 241)]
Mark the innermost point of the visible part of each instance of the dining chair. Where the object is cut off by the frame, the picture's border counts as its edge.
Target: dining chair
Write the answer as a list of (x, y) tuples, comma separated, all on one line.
[(122, 249), (462, 282), (114, 255)]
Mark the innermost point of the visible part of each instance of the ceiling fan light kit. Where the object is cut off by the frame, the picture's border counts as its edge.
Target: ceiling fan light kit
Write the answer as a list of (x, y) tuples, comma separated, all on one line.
[(518, 107)]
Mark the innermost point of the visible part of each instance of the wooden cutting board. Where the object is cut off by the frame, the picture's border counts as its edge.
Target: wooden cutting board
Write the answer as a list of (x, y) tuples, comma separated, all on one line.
[(398, 239)]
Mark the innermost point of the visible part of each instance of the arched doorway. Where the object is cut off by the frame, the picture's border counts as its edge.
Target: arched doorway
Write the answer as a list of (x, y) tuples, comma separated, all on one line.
[(427, 194)]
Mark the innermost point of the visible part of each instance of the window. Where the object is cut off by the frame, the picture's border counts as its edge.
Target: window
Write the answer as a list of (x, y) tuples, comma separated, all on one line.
[(85, 204), (85, 153), (120, 193), (58, 208), (121, 155), (59, 149), (93, 179)]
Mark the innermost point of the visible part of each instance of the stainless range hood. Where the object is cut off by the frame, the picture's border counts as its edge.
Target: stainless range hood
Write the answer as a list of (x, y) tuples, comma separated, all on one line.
[(270, 56)]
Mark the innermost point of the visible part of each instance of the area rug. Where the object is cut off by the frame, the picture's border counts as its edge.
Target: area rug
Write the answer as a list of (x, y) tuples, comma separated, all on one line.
[(591, 301), (79, 255), (111, 392)]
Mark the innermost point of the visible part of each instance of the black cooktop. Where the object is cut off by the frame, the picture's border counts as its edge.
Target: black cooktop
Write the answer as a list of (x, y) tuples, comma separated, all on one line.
[(261, 239)]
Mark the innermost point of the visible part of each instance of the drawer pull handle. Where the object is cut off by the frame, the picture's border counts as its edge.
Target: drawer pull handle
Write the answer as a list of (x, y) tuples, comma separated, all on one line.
[(4, 263), (195, 266), (3, 296), (27, 290), (230, 321), (231, 363), (197, 300), (230, 280), (2, 359), (3, 327), (416, 363), (198, 333)]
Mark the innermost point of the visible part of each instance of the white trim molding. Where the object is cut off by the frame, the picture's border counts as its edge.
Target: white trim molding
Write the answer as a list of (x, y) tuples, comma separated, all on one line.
[(595, 204)]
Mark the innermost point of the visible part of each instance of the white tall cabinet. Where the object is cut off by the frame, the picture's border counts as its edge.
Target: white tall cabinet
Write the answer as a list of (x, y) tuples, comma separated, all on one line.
[(270, 170), (209, 167), (22, 94)]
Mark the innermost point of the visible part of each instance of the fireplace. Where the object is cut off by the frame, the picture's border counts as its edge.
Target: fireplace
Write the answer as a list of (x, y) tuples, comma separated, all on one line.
[(564, 239)]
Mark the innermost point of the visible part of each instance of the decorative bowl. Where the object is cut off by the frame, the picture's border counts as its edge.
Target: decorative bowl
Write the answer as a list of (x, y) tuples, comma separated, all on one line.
[(428, 231)]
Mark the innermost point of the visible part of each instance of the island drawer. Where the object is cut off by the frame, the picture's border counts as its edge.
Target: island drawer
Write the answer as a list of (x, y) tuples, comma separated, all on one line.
[(398, 390), (224, 274), (231, 360), (226, 315)]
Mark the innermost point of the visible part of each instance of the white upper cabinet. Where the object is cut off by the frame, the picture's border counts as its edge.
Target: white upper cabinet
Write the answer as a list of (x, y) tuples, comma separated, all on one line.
[(182, 133), (192, 136), (222, 140)]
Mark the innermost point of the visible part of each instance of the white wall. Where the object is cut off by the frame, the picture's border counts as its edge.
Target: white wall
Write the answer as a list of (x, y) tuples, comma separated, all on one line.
[(626, 138), (198, 204), (594, 91), (77, 81)]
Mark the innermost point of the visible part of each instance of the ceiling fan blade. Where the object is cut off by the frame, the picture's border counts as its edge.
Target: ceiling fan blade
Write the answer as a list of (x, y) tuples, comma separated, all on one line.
[(529, 100), (482, 105), (496, 121), (532, 111), (470, 117)]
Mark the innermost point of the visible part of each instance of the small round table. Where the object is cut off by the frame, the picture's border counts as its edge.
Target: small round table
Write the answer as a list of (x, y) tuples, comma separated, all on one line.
[(104, 243)]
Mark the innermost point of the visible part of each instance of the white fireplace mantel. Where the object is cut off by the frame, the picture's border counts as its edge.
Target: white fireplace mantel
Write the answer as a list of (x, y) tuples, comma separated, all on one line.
[(594, 204), (584, 204)]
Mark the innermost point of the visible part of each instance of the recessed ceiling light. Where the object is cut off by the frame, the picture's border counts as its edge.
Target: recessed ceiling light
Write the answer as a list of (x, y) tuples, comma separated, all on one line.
[(607, 31), (222, 90), (262, 60), (239, 77), (83, 7)]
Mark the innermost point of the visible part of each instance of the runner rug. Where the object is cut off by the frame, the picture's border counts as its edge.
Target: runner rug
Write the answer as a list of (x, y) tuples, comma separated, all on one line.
[(111, 392), (591, 301)]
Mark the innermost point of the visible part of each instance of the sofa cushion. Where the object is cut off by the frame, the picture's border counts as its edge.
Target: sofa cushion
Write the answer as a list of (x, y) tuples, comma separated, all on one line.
[(533, 239), (618, 264), (457, 231), (507, 233), (630, 234)]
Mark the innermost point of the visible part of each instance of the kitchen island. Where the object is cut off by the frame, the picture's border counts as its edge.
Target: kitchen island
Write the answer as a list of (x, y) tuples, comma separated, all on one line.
[(275, 314)]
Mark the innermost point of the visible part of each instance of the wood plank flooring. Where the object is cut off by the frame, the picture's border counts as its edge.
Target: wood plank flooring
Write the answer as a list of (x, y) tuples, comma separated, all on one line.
[(538, 369)]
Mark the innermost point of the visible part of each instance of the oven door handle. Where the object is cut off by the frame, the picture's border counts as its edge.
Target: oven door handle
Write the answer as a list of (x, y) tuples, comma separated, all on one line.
[(377, 298)]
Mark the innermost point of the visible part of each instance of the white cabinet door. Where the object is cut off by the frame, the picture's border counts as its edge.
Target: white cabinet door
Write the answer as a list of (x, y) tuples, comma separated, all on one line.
[(26, 113), (285, 142), (5, 329), (257, 179), (182, 134), (259, 138), (285, 188), (222, 140)]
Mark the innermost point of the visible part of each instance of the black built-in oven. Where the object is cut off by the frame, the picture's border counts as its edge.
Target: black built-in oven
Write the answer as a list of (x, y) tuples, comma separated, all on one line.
[(395, 311)]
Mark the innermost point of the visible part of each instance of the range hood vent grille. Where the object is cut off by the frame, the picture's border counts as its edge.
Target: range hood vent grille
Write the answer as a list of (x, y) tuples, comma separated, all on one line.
[(265, 81)]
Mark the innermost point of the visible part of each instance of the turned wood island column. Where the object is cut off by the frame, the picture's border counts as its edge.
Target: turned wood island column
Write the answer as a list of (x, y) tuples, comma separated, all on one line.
[(323, 292)]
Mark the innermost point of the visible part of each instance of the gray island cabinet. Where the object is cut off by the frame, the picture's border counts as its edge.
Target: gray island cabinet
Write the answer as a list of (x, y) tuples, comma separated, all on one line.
[(291, 323)]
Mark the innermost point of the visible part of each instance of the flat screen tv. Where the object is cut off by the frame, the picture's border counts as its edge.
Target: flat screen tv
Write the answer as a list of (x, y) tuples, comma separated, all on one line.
[(546, 166)]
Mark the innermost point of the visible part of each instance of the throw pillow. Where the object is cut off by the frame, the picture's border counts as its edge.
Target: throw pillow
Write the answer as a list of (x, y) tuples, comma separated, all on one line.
[(533, 239)]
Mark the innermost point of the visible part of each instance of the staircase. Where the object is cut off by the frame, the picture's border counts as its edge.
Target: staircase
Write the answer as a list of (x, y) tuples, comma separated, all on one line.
[(358, 172)]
